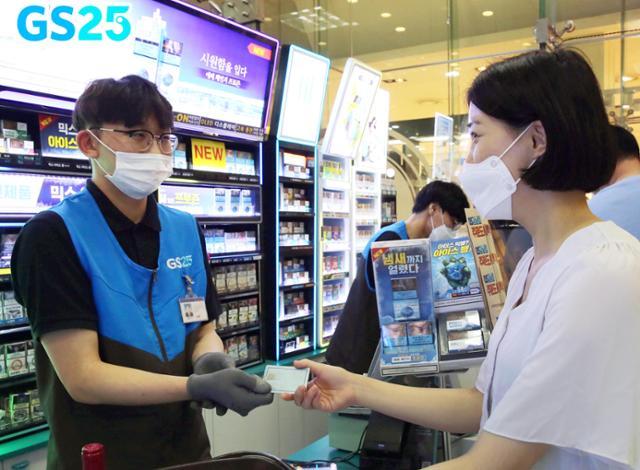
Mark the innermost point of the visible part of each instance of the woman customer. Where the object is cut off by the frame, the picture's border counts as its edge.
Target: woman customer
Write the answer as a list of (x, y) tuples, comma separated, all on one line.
[(560, 387)]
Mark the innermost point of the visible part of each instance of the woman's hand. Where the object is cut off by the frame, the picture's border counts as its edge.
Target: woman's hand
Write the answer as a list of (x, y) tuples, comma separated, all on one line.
[(332, 389)]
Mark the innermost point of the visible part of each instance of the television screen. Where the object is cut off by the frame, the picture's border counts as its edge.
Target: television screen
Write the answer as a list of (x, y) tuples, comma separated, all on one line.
[(216, 74), (303, 96), (350, 112)]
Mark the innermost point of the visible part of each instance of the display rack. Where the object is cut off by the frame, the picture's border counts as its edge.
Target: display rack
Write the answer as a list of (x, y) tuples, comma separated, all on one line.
[(221, 103), (336, 242), (291, 234), (388, 204), (341, 188), (226, 200), (20, 410)]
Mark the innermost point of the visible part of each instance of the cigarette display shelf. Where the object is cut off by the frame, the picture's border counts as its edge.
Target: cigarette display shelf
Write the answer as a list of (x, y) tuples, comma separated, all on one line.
[(291, 241)]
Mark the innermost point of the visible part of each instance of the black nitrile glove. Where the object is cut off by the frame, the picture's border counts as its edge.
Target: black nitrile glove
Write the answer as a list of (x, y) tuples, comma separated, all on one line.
[(231, 388), (206, 364)]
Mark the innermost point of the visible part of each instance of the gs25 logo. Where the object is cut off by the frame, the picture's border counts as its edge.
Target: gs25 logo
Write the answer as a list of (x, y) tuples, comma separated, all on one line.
[(179, 262), (36, 23)]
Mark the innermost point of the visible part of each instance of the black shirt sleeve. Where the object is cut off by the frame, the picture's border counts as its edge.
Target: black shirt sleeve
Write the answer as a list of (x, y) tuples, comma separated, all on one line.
[(384, 236), (49, 280), (214, 309)]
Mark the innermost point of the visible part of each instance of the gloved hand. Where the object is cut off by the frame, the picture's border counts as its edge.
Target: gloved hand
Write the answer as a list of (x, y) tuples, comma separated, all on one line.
[(206, 364), (231, 388)]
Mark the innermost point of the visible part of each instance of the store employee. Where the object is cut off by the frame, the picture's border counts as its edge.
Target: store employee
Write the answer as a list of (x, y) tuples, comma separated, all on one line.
[(108, 277), (438, 208), (560, 386)]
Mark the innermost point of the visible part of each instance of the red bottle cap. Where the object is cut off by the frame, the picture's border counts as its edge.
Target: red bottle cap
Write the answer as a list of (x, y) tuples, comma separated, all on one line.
[(92, 449)]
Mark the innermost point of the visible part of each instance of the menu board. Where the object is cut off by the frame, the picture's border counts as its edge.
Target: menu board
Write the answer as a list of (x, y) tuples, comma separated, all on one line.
[(217, 74), (303, 96), (350, 112)]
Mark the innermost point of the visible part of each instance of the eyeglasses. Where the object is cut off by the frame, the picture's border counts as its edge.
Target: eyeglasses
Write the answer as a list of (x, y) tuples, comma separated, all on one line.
[(142, 140)]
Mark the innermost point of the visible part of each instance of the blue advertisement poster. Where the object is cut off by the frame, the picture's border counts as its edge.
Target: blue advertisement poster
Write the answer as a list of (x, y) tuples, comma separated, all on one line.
[(405, 306), (29, 193), (203, 201), (455, 277)]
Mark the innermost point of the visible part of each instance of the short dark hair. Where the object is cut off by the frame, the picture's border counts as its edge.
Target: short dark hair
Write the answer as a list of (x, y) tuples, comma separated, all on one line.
[(560, 89), (625, 143), (449, 196), (130, 101)]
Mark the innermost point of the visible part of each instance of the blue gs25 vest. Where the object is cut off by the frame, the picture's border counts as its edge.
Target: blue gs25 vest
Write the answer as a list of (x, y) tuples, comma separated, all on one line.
[(139, 326), (137, 306)]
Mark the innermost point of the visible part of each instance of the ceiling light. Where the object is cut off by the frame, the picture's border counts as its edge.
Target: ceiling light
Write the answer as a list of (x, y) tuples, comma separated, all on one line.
[(267, 19), (625, 106), (395, 126), (526, 44), (452, 73), (454, 52), (318, 7), (306, 10), (352, 1), (400, 29), (487, 13), (455, 64), (401, 80), (355, 23), (385, 14), (482, 68), (294, 13), (626, 78), (390, 173), (322, 43)]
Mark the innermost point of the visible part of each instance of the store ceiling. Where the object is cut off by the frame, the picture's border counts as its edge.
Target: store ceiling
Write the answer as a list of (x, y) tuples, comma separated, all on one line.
[(352, 29)]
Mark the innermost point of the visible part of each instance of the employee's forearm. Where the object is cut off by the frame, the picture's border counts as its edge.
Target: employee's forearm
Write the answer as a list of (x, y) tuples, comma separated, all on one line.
[(108, 384), (451, 410), (208, 341)]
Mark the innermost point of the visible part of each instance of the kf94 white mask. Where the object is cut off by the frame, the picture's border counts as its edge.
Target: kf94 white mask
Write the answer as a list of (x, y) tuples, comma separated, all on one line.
[(490, 185), (138, 174)]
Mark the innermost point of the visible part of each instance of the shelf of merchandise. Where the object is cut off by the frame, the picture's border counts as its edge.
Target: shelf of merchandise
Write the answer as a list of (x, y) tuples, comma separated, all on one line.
[(335, 193), (388, 201), (290, 236), (366, 208), (70, 175)]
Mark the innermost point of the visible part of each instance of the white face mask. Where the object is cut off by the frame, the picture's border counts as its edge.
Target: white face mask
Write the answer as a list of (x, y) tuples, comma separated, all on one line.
[(442, 232), (490, 185), (138, 174)]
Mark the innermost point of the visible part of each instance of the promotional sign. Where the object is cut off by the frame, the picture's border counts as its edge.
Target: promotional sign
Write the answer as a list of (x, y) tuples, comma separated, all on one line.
[(217, 74), (405, 307), (373, 149), (455, 277), (303, 96), (58, 138), (442, 148), (350, 112), (208, 155), (29, 193), (201, 201)]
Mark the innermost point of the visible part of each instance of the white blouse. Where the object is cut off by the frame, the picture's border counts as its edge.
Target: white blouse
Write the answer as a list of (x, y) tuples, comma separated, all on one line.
[(563, 368)]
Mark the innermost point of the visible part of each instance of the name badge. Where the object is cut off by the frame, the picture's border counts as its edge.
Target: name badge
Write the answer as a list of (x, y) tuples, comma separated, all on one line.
[(192, 308)]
